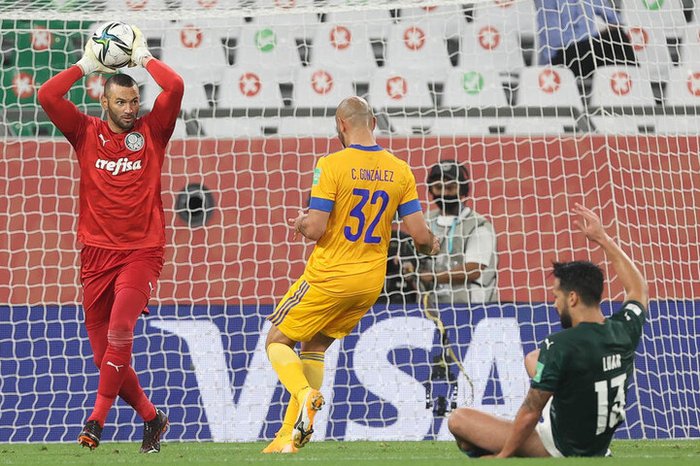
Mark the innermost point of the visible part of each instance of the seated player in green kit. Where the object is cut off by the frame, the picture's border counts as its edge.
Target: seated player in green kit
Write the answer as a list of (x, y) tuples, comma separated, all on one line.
[(580, 375)]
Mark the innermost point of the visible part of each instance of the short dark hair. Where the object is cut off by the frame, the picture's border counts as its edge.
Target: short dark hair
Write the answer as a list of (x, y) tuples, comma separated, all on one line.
[(119, 79), (583, 277)]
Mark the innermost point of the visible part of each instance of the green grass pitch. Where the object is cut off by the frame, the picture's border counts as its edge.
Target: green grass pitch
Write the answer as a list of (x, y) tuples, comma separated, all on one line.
[(647, 452)]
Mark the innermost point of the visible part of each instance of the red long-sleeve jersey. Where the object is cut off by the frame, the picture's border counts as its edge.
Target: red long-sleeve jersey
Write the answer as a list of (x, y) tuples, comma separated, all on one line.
[(120, 203)]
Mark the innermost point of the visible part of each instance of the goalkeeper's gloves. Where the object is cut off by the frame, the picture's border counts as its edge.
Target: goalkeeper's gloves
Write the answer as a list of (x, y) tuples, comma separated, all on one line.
[(139, 51), (89, 63)]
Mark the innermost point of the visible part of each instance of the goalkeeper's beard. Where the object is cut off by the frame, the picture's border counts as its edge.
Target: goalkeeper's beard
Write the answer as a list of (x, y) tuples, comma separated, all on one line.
[(118, 119)]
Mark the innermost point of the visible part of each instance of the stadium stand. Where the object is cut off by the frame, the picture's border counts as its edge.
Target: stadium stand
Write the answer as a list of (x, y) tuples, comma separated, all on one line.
[(377, 22), (446, 20), (487, 42), (434, 44), (652, 52), (619, 91), (301, 25), (271, 47), (420, 48), (682, 100), (663, 15), (547, 88), (405, 96), (690, 49), (318, 86), (347, 47), (473, 86)]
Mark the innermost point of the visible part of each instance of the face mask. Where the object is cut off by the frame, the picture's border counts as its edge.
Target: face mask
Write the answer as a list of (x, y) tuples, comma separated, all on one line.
[(450, 205)]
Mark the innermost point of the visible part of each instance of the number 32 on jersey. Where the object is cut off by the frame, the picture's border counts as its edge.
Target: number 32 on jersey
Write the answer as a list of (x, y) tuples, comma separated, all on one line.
[(379, 197)]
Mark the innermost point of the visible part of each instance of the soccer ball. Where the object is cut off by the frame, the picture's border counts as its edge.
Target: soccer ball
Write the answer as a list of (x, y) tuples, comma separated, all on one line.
[(112, 43)]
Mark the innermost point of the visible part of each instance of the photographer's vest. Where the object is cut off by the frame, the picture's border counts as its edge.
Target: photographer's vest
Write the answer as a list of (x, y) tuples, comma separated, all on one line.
[(454, 240)]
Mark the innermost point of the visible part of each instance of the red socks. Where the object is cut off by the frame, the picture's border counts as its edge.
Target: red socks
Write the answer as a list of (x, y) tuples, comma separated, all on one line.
[(116, 375)]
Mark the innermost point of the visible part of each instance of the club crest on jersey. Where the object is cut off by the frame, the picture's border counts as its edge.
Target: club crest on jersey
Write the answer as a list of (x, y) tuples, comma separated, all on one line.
[(134, 141)]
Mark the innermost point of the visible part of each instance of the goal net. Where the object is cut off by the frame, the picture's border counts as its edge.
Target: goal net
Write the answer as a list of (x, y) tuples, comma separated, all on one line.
[(603, 112)]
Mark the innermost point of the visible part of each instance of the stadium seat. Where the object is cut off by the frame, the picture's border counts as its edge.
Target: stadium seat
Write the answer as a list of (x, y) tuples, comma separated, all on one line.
[(683, 88), (398, 88), (651, 50), (249, 87), (321, 88), (376, 22), (271, 48), (201, 5), (302, 25), (18, 97), (418, 46), (180, 131), (403, 93), (248, 127), (446, 20), (547, 87), (473, 87), (509, 15), (690, 50), (34, 51), (318, 86), (307, 127), (664, 15), (154, 33), (132, 6), (620, 86), (683, 95), (189, 45), (345, 46), (245, 88), (459, 126), (489, 44), (194, 98)]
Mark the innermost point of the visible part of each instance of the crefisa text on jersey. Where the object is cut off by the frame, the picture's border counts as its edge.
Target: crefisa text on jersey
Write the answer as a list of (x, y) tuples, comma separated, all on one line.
[(372, 174), (119, 166)]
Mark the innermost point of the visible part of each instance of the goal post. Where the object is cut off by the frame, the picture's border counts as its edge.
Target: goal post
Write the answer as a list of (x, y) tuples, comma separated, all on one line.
[(448, 81)]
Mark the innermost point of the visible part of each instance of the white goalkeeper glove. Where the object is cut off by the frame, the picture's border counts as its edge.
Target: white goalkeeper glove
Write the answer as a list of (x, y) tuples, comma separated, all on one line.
[(139, 51), (89, 63)]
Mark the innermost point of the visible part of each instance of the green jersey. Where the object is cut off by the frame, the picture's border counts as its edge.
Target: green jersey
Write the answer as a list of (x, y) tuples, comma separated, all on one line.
[(589, 368)]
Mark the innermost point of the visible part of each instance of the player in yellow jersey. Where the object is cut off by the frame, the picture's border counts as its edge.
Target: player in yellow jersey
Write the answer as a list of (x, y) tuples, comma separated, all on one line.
[(354, 197)]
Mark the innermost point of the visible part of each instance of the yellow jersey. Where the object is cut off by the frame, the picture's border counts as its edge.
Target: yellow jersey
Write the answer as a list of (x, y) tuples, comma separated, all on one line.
[(363, 188)]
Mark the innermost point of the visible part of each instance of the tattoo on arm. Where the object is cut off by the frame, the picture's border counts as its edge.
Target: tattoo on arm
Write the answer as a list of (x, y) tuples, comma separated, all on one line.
[(536, 400)]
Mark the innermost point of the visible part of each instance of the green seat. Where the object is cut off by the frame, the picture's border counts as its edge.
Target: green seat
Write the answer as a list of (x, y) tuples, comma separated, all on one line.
[(41, 49)]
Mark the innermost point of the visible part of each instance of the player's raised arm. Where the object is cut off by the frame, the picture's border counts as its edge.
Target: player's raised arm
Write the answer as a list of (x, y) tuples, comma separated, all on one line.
[(632, 279), (61, 111), (167, 105)]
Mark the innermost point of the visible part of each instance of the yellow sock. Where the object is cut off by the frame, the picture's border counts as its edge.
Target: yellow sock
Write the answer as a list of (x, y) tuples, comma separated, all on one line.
[(290, 417), (313, 370), (288, 366)]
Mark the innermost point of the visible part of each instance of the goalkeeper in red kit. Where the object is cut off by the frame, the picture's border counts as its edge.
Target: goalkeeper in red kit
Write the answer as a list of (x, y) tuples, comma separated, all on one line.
[(121, 223)]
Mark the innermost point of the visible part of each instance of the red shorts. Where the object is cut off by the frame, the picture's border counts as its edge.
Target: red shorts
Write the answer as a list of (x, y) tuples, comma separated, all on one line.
[(103, 272)]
